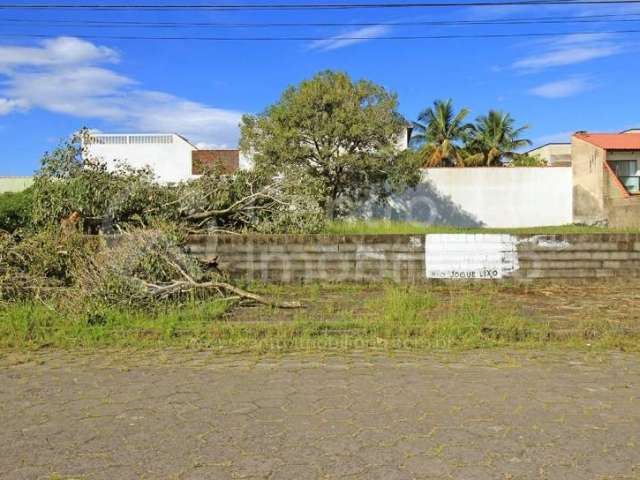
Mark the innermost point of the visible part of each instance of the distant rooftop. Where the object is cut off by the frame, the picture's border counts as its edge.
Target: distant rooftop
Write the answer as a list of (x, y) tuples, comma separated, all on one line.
[(547, 145), (612, 141)]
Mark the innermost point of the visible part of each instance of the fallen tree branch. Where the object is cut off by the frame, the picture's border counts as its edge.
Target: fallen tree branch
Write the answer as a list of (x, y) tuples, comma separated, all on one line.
[(243, 201), (190, 283), (250, 296), (144, 267), (183, 285)]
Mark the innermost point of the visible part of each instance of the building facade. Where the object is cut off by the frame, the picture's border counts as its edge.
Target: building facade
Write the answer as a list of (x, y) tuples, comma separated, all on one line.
[(172, 157), (554, 154)]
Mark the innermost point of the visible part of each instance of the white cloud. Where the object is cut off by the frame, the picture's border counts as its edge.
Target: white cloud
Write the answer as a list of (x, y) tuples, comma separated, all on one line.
[(66, 75), (558, 137), (161, 112), (350, 38), (562, 88), (569, 50), (55, 51), (8, 105), (80, 91)]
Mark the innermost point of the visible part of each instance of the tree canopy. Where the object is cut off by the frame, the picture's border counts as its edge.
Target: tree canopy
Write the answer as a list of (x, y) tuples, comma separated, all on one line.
[(494, 137), (443, 138), (341, 133), (439, 132)]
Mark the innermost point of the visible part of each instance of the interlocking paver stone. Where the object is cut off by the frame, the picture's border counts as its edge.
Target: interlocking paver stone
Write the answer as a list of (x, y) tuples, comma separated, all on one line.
[(473, 416)]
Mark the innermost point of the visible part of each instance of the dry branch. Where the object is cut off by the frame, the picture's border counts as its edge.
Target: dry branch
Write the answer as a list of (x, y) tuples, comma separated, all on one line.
[(190, 283), (243, 202), (144, 266), (185, 285)]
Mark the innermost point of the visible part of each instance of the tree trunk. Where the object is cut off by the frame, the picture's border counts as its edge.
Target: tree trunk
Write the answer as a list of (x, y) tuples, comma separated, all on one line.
[(330, 208), (331, 203)]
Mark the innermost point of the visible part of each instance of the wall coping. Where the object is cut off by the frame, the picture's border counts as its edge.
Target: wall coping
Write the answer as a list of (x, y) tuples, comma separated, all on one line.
[(505, 167), (372, 238)]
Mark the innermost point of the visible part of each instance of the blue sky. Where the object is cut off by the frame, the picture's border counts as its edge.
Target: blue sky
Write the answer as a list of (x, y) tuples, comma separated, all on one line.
[(51, 86)]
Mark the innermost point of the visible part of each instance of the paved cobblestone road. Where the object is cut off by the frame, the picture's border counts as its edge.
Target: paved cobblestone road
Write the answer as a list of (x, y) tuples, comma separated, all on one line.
[(473, 416)]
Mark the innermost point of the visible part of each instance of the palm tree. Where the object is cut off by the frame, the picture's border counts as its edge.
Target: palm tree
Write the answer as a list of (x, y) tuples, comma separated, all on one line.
[(437, 134), (493, 138)]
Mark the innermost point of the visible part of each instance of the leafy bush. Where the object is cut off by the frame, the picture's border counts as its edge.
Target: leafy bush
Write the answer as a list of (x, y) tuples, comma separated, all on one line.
[(48, 254), (249, 201), (526, 160), (67, 182), (15, 210)]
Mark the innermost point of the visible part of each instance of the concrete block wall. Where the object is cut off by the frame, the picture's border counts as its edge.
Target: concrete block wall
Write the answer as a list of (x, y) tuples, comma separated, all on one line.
[(415, 258), (579, 256), (296, 258)]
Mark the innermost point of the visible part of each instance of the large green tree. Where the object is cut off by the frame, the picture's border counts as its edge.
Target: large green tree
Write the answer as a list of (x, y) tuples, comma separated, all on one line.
[(495, 137), (339, 133), (439, 133)]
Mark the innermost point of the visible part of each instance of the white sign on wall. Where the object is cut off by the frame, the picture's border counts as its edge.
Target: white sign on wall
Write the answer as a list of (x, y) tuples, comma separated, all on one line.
[(482, 256)]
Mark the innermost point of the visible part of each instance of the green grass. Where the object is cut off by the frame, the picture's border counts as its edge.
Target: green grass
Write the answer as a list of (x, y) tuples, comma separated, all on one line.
[(379, 227), (35, 325), (389, 318)]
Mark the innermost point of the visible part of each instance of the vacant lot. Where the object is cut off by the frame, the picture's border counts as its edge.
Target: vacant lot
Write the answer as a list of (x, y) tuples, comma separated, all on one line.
[(498, 415), (386, 381), (601, 314)]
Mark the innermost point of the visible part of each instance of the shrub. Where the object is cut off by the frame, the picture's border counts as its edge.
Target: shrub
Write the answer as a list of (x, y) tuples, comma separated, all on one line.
[(15, 210), (527, 160)]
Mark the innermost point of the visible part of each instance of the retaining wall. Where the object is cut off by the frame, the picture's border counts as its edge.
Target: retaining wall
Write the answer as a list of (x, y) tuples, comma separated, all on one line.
[(414, 258)]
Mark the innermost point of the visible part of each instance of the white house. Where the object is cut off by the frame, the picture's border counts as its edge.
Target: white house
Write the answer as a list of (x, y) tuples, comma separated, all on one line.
[(172, 157)]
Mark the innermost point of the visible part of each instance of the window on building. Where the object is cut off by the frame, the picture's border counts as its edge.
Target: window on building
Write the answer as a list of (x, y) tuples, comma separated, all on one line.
[(627, 172), (130, 139)]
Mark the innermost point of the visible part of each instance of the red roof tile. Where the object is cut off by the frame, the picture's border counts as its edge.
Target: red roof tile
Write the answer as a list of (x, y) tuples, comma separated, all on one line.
[(612, 141)]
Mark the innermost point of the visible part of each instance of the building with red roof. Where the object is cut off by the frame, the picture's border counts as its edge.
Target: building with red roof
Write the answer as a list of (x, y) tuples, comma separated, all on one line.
[(606, 177)]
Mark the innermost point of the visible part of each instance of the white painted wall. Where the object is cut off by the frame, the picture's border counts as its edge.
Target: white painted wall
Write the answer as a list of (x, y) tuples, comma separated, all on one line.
[(478, 257), (506, 197), (171, 162)]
